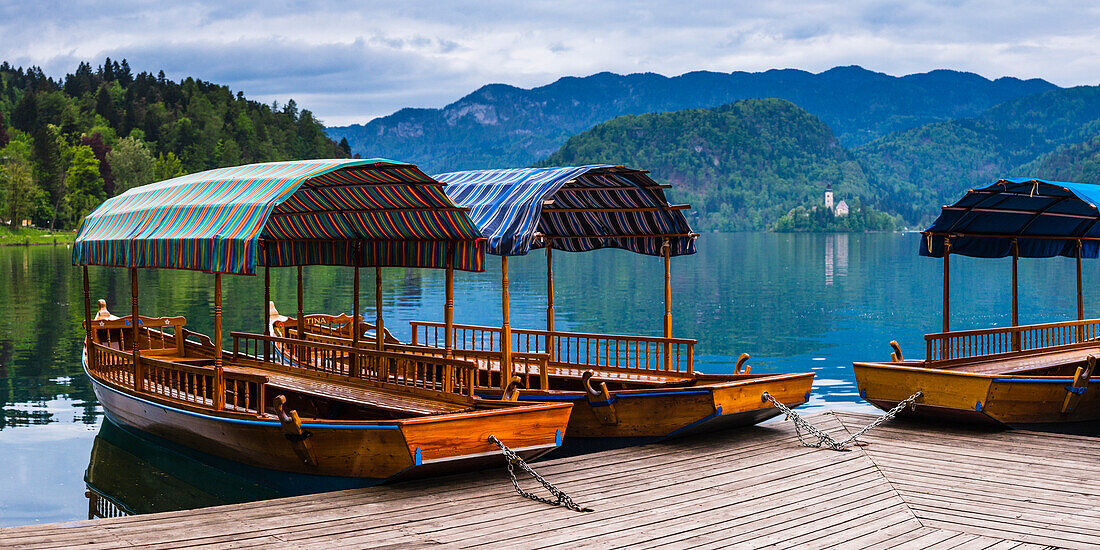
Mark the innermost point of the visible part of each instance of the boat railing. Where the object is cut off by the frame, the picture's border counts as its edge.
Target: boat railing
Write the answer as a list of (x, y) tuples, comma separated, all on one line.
[(449, 376), (530, 367), (161, 335), (328, 325), (608, 352), (969, 344), (190, 384), (102, 506)]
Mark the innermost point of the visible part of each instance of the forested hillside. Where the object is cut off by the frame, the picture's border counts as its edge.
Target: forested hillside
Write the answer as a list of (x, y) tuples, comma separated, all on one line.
[(741, 166), (505, 126), (68, 144), (1052, 135)]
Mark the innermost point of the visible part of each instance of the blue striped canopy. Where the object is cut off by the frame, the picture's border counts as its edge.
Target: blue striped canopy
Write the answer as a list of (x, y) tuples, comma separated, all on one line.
[(575, 208), (1045, 218), (374, 212)]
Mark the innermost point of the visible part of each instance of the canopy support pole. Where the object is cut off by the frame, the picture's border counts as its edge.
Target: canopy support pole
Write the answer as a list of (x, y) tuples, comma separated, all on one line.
[(88, 322), (134, 322), (219, 372), (1015, 296), (449, 310), (1080, 287), (267, 301), (667, 250), (379, 327), (551, 340), (301, 316), (267, 312), (506, 327), (354, 367), (946, 285)]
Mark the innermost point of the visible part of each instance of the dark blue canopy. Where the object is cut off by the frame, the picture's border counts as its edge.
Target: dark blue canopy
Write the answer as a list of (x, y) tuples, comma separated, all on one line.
[(1045, 218), (575, 208)]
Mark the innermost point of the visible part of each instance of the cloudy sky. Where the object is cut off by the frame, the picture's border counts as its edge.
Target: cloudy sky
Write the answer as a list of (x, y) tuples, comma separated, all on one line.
[(351, 61)]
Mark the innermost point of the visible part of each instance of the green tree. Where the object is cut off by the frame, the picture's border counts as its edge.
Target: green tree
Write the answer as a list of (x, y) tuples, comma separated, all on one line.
[(168, 166), (20, 194), (84, 183), (48, 154), (132, 163)]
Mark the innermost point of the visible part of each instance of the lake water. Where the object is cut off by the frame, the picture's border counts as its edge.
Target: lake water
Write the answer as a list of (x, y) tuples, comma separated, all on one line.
[(794, 302)]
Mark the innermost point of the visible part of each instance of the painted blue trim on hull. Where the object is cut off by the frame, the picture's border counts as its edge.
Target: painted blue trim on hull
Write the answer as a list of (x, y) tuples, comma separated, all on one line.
[(535, 398), (247, 422), (1036, 380), (581, 396)]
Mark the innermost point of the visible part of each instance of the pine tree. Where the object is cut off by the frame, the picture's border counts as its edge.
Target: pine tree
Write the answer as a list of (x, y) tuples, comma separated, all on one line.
[(101, 150)]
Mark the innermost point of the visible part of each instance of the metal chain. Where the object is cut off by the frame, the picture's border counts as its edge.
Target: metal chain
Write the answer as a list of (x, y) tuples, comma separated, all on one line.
[(514, 460), (826, 440)]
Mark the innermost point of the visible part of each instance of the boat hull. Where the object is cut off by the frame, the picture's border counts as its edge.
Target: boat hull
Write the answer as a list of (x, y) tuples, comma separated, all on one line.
[(1033, 402), (376, 451), (649, 415)]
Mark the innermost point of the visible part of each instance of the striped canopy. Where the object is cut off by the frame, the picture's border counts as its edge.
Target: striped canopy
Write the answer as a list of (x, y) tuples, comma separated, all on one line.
[(1044, 219), (570, 208), (372, 212)]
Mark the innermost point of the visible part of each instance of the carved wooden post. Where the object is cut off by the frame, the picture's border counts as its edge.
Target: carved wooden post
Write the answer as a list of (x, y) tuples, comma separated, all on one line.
[(667, 250), (550, 313), (946, 294), (267, 312), (449, 311), (219, 374), (1080, 288), (506, 327), (134, 321), (301, 325), (90, 355), (379, 327), (354, 367), (1015, 297)]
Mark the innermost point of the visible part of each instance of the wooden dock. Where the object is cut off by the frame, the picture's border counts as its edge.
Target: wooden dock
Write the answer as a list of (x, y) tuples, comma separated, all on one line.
[(913, 486)]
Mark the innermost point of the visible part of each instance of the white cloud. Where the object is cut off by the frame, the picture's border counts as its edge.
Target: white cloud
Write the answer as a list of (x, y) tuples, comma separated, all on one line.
[(351, 61)]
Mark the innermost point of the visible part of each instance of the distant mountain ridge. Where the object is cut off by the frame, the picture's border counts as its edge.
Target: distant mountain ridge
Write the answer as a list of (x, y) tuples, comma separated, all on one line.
[(741, 166), (500, 125), (1049, 135), (744, 165)]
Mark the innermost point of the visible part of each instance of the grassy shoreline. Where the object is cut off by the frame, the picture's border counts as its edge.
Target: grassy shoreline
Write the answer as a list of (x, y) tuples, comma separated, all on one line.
[(23, 236)]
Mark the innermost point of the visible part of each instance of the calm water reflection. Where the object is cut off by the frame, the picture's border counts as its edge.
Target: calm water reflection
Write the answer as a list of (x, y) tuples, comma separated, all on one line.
[(795, 302)]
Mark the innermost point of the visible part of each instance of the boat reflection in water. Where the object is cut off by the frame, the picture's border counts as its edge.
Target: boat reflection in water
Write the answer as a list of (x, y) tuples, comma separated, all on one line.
[(128, 474)]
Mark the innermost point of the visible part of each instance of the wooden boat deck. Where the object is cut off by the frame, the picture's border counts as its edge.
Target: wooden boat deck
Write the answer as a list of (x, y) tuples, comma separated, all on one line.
[(914, 486), (369, 397)]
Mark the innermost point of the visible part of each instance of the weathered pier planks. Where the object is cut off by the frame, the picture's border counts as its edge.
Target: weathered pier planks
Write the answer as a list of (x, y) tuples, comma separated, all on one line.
[(914, 486)]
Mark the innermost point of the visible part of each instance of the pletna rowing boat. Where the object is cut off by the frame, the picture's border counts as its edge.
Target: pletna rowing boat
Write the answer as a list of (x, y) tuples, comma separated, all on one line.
[(383, 415), (625, 389), (1033, 376)]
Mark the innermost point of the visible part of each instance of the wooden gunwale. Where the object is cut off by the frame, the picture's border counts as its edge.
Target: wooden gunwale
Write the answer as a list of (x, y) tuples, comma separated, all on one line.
[(485, 407)]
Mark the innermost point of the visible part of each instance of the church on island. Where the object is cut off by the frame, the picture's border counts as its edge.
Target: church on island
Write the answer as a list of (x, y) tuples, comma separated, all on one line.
[(841, 208)]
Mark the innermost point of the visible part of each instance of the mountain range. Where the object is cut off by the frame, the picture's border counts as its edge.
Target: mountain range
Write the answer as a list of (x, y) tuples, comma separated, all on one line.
[(902, 145), (501, 126)]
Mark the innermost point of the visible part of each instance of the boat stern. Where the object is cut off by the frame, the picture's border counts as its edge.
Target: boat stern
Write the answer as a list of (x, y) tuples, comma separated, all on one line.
[(946, 395), (453, 442)]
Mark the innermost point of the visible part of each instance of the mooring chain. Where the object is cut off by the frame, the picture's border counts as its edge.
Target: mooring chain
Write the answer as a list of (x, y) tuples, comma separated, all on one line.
[(514, 460), (826, 440)]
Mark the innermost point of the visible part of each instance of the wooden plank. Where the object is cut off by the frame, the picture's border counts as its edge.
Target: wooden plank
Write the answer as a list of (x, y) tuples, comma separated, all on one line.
[(748, 488)]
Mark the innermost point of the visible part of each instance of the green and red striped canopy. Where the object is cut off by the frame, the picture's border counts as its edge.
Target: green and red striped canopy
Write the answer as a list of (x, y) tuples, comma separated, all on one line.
[(373, 212)]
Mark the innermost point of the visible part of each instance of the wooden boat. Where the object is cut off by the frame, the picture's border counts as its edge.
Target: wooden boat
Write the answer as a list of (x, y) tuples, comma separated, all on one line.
[(386, 415), (625, 389), (1036, 376)]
